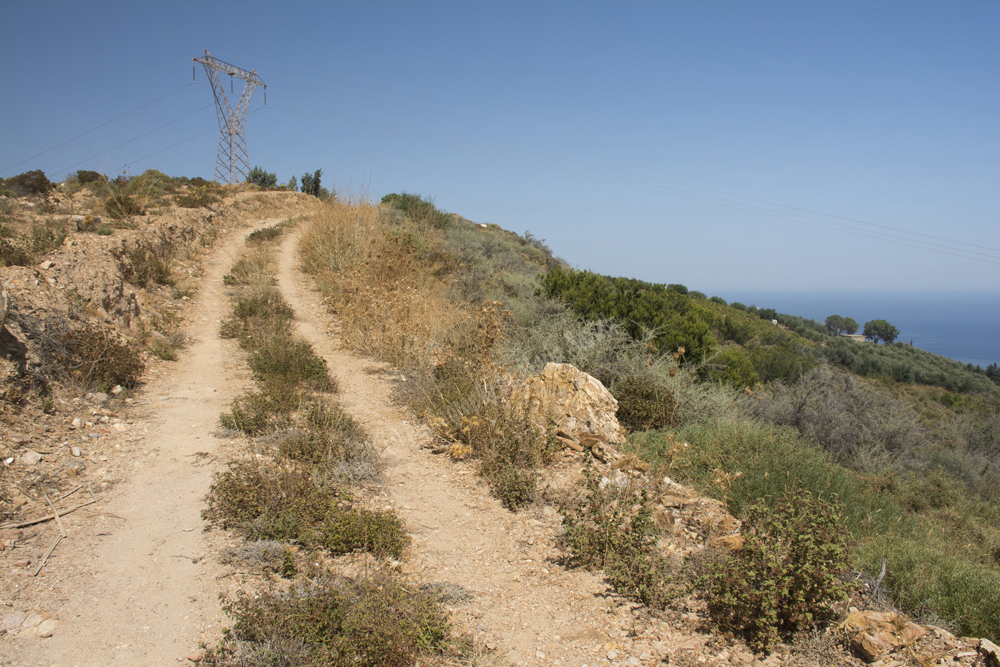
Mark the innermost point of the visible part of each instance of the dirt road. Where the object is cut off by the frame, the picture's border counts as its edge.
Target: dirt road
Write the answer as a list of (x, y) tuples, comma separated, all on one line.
[(134, 582)]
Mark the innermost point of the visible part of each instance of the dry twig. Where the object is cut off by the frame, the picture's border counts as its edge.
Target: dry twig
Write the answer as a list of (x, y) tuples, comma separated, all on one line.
[(48, 552)]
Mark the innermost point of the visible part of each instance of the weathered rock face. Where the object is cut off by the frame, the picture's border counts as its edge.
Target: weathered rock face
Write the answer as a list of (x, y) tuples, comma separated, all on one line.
[(577, 403), (875, 633)]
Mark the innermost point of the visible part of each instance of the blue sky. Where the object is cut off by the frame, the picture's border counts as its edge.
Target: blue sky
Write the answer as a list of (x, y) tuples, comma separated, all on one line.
[(721, 145)]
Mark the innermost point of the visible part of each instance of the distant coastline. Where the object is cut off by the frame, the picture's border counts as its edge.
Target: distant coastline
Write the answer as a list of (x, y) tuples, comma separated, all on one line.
[(961, 325)]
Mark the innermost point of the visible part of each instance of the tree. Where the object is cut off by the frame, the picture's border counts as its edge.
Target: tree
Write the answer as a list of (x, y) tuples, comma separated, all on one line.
[(837, 325), (29, 183), (310, 183), (993, 373), (264, 179), (877, 330)]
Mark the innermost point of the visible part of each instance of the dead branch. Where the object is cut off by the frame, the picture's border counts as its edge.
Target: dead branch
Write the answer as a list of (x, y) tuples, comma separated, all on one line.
[(48, 552), (32, 522)]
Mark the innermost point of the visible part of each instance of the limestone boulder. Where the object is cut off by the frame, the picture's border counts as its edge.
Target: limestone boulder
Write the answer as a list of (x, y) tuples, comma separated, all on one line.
[(577, 403), (875, 633)]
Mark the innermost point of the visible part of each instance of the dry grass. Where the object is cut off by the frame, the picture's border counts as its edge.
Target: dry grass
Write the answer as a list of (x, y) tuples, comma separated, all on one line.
[(390, 304)]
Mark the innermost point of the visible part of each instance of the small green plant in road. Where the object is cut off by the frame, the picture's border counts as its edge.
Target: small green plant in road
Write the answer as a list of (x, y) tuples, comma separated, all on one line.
[(786, 574), (375, 621)]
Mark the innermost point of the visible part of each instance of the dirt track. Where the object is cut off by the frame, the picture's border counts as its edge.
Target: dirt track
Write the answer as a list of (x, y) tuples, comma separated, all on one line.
[(134, 581)]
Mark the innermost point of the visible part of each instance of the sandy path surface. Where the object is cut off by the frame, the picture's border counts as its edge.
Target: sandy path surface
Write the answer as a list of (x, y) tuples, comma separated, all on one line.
[(138, 590), (517, 599)]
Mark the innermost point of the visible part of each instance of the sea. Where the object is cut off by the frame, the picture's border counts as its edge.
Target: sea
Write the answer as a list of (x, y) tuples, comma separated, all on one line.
[(961, 325)]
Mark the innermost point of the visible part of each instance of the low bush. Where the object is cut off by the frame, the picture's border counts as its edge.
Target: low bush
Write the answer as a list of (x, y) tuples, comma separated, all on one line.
[(787, 573), (476, 417), (420, 210), (147, 265), (30, 183), (256, 413), (611, 528), (643, 405), (366, 622), (13, 255), (248, 270), (289, 362), (379, 533), (327, 435), (855, 421), (268, 501), (98, 360), (196, 199)]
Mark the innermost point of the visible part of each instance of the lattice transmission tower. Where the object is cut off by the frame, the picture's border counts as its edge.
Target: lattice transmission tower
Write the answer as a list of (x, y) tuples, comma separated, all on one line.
[(232, 164)]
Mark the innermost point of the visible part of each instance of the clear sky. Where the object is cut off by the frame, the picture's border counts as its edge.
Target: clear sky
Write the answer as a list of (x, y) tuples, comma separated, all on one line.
[(716, 144)]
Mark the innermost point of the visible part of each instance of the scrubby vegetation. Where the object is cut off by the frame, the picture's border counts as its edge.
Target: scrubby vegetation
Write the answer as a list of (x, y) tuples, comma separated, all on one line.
[(299, 490), (905, 443), (786, 575)]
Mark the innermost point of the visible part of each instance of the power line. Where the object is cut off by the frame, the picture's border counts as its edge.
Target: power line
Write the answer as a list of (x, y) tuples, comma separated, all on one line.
[(136, 138), (632, 180), (184, 141), (96, 128)]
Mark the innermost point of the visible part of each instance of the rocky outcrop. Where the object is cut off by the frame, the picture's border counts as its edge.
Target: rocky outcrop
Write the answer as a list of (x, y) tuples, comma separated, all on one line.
[(579, 406), (875, 633)]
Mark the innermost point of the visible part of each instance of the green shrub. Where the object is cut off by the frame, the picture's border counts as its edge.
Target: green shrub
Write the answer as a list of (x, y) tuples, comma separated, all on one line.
[(643, 405), (612, 529), (786, 574), (163, 350), (677, 322), (366, 622), (122, 206), (419, 209), (85, 176), (30, 183), (268, 501), (248, 270), (45, 238), (255, 413), (264, 179), (289, 361), (379, 533)]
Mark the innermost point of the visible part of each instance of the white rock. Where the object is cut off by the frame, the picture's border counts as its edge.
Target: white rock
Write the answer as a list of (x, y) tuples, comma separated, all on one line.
[(46, 627), (46, 265), (31, 457), (77, 423), (13, 620), (32, 619), (76, 451)]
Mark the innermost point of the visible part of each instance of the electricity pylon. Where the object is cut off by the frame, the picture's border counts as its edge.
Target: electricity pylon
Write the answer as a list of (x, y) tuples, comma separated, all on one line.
[(232, 164)]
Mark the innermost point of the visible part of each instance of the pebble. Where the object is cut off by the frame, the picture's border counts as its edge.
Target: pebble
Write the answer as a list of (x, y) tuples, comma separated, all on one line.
[(76, 451), (31, 457), (77, 423), (612, 654), (13, 620)]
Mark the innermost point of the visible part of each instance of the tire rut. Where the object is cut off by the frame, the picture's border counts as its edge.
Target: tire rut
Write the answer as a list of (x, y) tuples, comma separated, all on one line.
[(518, 598)]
